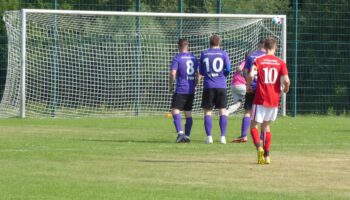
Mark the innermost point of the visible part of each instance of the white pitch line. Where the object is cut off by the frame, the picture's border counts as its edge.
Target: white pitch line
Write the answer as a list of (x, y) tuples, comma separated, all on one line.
[(313, 144), (29, 150)]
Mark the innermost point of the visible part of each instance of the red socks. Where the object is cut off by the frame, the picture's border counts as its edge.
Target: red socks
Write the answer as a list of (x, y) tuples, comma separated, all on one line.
[(266, 139), (255, 135), (267, 143)]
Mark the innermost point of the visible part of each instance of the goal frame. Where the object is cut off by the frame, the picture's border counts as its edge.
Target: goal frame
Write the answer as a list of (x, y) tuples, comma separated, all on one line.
[(23, 36)]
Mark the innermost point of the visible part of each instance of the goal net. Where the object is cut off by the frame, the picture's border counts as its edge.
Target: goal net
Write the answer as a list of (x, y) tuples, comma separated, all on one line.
[(85, 63)]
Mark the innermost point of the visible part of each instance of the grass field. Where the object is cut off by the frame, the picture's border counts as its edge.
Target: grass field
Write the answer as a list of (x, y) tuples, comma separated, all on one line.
[(136, 158)]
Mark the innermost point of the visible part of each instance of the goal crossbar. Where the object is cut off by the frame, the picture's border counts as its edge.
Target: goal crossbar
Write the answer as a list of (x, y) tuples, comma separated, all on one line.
[(149, 14)]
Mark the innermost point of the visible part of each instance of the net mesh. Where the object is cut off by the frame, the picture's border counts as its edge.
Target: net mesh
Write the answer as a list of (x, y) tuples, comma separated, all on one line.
[(79, 65)]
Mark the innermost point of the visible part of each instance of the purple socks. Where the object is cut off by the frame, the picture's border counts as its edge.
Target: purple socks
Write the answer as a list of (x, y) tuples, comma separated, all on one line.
[(223, 124), (208, 124), (188, 126), (245, 126), (177, 122)]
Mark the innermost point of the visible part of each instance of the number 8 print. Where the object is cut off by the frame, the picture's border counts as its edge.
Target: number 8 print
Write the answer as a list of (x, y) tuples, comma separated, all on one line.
[(190, 67)]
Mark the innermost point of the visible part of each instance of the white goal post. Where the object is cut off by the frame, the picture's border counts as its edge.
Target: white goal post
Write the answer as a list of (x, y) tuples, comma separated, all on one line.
[(67, 63)]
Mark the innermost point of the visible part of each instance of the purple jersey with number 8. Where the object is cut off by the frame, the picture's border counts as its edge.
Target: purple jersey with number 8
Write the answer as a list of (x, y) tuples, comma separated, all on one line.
[(186, 66)]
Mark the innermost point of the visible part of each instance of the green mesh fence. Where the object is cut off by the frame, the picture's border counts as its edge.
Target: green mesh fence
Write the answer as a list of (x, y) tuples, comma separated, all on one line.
[(318, 41)]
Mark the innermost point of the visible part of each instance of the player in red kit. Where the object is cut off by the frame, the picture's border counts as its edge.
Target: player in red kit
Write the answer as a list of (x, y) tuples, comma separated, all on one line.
[(272, 78)]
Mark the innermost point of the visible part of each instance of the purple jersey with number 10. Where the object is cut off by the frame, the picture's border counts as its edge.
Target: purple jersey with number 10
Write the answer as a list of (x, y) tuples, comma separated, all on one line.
[(186, 66), (214, 66)]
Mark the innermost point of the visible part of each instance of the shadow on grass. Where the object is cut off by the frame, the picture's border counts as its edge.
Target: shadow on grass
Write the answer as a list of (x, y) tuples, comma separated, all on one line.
[(342, 131), (179, 161), (199, 162), (128, 141)]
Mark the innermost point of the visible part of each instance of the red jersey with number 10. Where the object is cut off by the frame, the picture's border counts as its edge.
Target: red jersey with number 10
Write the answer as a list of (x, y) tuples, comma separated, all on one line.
[(269, 69)]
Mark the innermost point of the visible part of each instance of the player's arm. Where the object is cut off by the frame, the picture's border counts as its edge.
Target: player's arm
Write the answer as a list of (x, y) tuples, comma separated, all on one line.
[(249, 88), (201, 65), (249, 72), (227, 68), (251, 75), (172, 76), (285, 83), (198, 75), (240, 67), (285, 78), (247, 67)]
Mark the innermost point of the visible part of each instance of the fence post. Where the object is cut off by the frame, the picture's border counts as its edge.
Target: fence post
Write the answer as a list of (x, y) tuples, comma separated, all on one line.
[(218, 11), (284, 57), (218, 6), (181, 20), (295, 61)]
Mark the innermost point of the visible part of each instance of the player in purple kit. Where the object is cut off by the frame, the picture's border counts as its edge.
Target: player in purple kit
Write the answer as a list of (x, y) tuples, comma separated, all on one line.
[(214, 66), (183, 69), (249, 97)]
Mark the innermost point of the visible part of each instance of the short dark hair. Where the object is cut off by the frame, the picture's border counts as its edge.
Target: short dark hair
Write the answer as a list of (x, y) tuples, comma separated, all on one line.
[(215, 40), (182, 42), (261, 43), (270, 43)]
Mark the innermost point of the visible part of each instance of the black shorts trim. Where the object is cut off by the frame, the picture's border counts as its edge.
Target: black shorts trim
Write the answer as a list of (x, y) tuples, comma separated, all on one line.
[(248, 100), (214, 97), (182, 101)]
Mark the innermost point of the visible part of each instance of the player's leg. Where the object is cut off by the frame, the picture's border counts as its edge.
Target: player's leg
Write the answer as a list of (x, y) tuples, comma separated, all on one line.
[(245, 125), (255, 134), (208, 125), (207, 105), (188, 126), (248, 103), (221, 104), (223, 125), (178, 124), (188, 116), (258, 113), (238, 93), (266, 140), (177, 105), (271, 115)]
